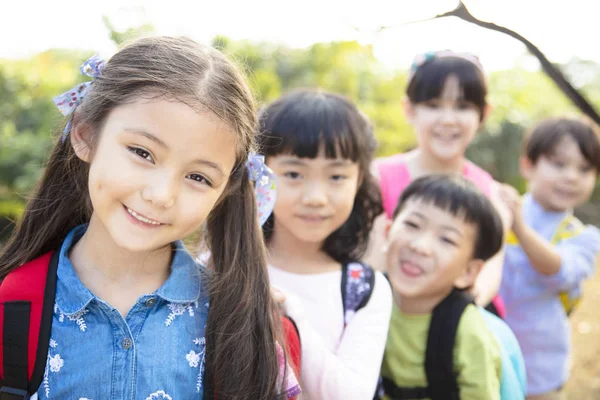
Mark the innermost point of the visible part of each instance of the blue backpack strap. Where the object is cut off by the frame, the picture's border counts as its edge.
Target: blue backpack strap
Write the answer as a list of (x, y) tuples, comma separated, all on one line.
[(358, 281)]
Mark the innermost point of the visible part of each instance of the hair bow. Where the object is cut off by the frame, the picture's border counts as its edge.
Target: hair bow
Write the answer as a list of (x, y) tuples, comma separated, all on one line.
[(421, 59), (264, 187), (69, 100)]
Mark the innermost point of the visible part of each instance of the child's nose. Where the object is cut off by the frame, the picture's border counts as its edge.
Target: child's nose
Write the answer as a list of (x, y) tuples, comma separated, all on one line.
[(572, 173), (314, 194), (421, 244), (161, 190), (448, 115)]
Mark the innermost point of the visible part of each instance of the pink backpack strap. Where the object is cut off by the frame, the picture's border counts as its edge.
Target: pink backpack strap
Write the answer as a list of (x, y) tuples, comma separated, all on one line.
[(481, 178), (393, 179)]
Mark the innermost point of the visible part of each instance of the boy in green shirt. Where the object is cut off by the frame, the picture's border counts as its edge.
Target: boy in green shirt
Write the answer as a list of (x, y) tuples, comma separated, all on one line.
[(443, 231)]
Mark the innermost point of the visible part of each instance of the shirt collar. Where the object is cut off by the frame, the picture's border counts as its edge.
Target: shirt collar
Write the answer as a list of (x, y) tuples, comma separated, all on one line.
[(182, 286), (535, 213)]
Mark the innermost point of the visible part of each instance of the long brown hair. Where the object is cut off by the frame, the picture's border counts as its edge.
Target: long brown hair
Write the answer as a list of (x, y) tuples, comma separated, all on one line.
[(241, 330)]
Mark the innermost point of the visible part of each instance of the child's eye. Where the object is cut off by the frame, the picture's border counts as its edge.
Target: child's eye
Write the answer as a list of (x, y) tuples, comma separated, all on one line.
[(586, 169), (338, 177), (558, 164), (464, 105), (411, 224), (141, 153), (292, 175), (432, 104), (449, 241), (200, 179)]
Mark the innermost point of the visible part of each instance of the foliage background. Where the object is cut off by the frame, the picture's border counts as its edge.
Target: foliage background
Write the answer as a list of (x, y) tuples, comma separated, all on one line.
[(29, 123)]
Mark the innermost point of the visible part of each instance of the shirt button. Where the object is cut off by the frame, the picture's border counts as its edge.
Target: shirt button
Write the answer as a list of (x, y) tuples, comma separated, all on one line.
[(150, 302), (126, 343)]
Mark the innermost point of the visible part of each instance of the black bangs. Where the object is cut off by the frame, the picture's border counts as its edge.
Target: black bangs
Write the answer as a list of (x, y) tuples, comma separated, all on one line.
[(545, 136), (430, 78), (311, 123), (463, 199), (306, 122)]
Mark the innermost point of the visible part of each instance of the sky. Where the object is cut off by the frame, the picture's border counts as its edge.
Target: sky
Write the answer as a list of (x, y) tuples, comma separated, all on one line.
[(560, 28)]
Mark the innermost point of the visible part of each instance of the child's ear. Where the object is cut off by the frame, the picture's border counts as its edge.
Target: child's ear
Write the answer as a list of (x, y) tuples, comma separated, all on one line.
[(387, 228), (81, 140), (487, 110), (525, 167), (467, 279)]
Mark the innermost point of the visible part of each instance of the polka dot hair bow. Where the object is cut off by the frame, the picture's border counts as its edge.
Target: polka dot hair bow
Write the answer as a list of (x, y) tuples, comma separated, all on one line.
[(69, 100), (264, 187)]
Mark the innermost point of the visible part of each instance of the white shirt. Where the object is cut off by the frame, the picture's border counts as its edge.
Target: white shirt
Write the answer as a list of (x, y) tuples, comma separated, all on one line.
[(337, 363)]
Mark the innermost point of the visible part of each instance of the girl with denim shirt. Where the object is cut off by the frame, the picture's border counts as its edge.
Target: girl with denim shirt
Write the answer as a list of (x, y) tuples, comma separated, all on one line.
[(156, 146)]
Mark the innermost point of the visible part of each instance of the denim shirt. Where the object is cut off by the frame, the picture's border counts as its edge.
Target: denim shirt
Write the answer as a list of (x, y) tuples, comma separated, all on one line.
[(156, 352), (533, 309)]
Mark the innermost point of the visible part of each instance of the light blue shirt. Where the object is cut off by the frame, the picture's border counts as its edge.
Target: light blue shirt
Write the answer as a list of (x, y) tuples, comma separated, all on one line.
[(533, 309), (156, 352)]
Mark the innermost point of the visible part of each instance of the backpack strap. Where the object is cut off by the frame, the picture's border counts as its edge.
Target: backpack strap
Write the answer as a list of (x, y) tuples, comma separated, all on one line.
[(394, 392), (26, 308), (569, 227), (439, 356), (293, 344), (358, 281)]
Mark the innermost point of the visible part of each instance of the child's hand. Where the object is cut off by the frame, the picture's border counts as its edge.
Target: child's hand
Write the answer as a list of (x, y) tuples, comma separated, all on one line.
[(512, 200), (277, 295)]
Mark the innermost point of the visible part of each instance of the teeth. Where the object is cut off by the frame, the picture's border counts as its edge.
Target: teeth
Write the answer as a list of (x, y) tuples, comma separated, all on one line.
[(142, 218)]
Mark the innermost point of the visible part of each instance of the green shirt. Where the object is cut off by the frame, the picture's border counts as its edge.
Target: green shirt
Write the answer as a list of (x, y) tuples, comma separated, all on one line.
[(476, 354)]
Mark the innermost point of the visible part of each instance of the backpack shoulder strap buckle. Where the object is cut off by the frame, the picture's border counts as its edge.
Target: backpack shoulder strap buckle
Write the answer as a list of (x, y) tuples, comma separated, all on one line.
[(8, 393)]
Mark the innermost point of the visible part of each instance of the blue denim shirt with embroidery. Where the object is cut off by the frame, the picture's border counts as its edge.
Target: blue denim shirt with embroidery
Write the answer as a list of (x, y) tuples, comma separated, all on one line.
[(156, 352)]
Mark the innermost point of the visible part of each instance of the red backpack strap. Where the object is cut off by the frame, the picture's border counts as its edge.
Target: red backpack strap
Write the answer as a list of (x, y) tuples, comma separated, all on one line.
[(292, 343), (26, 308)]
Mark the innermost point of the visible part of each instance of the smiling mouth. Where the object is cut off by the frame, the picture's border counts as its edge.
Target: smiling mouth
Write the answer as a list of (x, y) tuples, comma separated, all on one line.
[(567, 194), (141, 218), (447, 137), (312, 218), (410, 269)]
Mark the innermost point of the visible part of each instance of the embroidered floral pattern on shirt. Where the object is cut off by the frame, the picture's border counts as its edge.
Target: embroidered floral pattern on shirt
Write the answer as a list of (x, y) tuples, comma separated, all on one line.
[(196, 360), (160, 395), (77, 317), (179, 309), (53, 364)]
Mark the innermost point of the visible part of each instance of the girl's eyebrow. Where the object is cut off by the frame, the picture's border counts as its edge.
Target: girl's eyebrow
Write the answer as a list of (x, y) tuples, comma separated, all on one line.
[(147, 135), (340, 163), (418, 215), (292, 161)]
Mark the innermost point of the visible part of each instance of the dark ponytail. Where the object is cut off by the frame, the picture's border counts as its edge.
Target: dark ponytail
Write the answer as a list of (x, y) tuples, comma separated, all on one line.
[(240, 331)]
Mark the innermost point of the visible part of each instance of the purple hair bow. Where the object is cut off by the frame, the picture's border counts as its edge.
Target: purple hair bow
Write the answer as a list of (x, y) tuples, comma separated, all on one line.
[(265, 185), (69, 100)]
